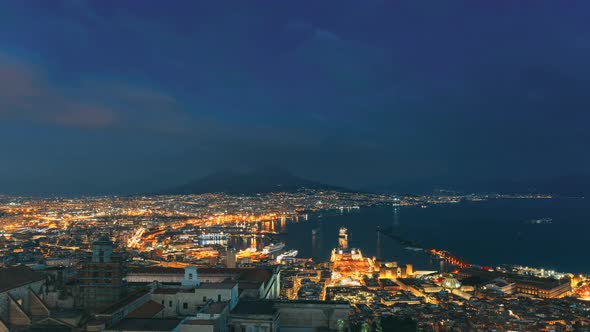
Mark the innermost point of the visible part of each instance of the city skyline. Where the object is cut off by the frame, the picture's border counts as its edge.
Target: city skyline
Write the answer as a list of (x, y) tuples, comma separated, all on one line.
[(267, 166), (103, 98)]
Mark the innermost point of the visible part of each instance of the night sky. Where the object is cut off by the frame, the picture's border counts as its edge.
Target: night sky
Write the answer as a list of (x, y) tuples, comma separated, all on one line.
[(133, 96)]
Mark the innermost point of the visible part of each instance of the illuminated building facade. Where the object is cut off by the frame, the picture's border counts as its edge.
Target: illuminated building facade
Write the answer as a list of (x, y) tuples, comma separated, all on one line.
[(391, 270), (343, 238), (548, 289)]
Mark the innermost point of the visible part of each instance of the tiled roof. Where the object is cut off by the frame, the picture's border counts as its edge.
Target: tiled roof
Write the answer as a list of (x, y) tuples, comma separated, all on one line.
[(254, 308), (166, 291), (142, 324), (198, 322), (124, 302), (147, 310), (13, 277), (216, 308), (217, 285)]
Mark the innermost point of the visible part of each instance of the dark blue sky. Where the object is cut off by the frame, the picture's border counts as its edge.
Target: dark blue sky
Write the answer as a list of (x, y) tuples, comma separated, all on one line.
[(125, 96)]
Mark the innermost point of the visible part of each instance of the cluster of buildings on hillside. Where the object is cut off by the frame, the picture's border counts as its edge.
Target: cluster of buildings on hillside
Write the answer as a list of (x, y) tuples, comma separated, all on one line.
[(173, 264), (109, 295), (106, 291)]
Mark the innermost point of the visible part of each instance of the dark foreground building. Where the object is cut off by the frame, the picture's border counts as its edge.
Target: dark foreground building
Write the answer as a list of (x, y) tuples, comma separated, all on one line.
[(101, 278)]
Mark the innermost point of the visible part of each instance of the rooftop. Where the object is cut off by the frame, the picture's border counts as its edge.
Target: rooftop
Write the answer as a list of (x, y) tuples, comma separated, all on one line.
[(167, 291), (13, 277), (254, 308), (143, 324), (146, 310), (241, 274), (198, 322), (215, 308), (124, 302), (217, 285)]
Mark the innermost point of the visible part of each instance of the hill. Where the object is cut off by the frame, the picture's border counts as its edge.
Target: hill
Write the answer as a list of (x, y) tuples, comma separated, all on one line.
[(255, 182)]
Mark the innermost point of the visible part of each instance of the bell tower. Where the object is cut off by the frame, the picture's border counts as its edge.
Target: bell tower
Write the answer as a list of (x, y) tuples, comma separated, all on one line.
[(191, 278)]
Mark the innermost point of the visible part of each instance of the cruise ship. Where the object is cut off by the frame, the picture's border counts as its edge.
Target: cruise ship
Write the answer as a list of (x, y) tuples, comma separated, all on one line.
[(273, 247), (290, 253), (213, 236)]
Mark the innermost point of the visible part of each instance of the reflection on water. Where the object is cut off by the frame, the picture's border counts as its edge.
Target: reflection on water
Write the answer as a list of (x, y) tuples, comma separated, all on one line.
[(486, 233), (395, 217)]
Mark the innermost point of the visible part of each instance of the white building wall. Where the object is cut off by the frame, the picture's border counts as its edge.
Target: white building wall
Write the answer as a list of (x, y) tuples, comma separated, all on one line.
[(188, 303)]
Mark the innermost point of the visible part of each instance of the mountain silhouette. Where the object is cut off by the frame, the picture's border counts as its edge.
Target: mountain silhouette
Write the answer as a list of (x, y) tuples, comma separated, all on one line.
[(265, 180)]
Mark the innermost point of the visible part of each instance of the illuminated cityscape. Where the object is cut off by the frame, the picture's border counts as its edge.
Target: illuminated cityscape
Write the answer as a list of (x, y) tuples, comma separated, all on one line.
[(203, 259), (294, 166)]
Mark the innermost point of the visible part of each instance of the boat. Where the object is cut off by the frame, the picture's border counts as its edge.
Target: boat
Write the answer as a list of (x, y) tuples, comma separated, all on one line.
[(273, 247), (414, 248), (542, 221), (213, 236), (290, 253)]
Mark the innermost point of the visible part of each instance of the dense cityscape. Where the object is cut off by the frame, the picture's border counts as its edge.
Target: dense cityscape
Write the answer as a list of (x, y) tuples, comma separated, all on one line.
[(294, 166), (217, 262)]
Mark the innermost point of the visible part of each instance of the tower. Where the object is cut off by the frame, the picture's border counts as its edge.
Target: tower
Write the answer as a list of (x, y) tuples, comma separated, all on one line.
[(230, 258), (102, 250), (343, 238), (191, 278), (101, 278)]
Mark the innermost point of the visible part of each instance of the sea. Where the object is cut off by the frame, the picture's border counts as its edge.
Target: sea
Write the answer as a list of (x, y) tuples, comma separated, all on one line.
[(545, 233)]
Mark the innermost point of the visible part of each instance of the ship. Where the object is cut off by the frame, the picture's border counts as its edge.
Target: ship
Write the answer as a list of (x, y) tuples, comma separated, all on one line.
[(283, 256), (542, 221), (213, 236), (273, 247), (413, 248)]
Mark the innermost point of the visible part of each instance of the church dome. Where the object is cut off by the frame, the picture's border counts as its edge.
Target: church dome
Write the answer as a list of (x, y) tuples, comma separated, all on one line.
[(451, 283)]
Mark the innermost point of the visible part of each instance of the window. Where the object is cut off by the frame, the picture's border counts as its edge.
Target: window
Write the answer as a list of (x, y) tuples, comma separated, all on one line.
[(169, 303), (185, 305), (162, 302), (218, 297), (204, 299), (190, 276)]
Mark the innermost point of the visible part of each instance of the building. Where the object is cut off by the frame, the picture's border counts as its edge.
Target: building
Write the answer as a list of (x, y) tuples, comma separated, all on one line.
[(343, 238), (392, 270), (230, 260), (101, 278), (538, 287), (183, 302), (313, 316), (21, 302), (16, 284), (259, 316), (501, 285), (253, 283), (290, 316), (544, 288)]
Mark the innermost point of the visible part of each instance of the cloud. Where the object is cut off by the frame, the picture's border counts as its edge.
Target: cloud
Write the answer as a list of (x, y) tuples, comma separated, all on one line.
[(27, 93)]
